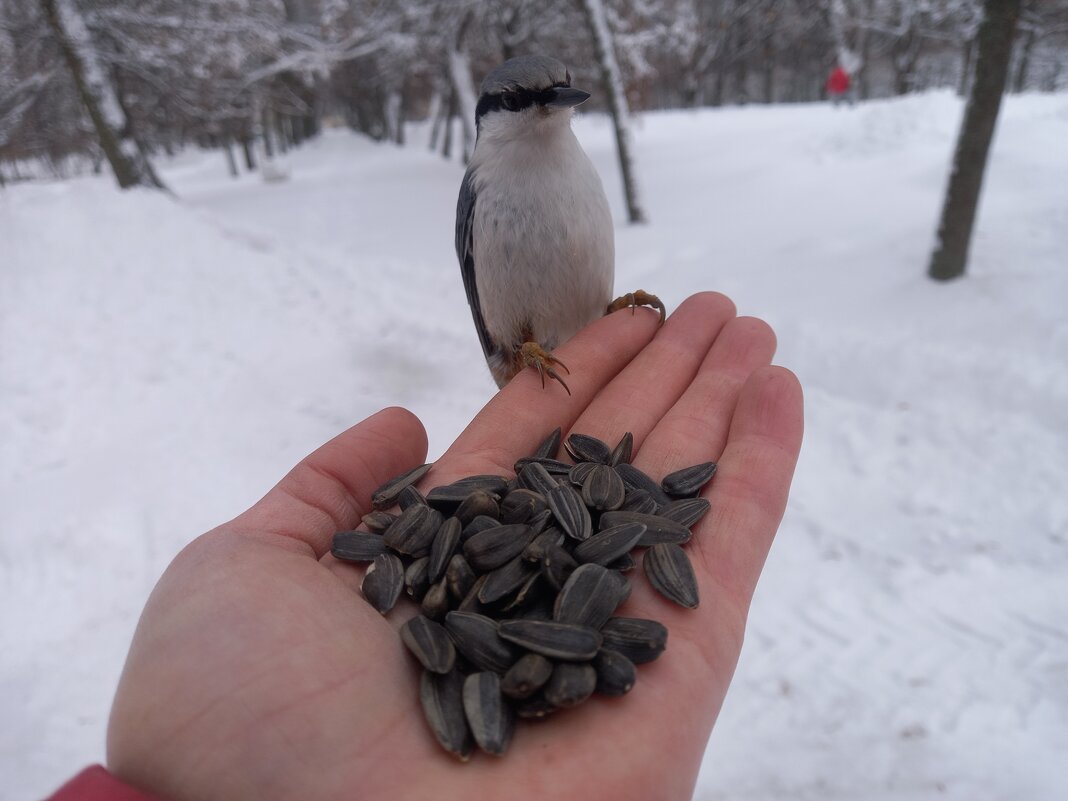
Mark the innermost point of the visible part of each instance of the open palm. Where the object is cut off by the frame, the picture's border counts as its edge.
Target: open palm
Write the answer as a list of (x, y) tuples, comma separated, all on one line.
[(257, 670)]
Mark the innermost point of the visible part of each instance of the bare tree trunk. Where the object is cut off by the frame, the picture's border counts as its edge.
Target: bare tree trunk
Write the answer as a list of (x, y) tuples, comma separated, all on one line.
[(127, 158), (463, 94), (973, 143), (250, 159), (612, 81), (1019, 80), (966, 67), (231, 162)]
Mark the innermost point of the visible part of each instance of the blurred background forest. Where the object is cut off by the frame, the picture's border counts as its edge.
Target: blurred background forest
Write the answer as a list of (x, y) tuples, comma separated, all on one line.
[(256, 77)]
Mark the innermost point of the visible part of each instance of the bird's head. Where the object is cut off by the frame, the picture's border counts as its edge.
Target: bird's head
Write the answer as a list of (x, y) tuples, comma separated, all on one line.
[(524, 95)]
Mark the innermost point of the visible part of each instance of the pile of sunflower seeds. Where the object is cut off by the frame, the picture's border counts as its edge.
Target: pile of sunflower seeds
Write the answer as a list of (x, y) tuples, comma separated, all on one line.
[(518, 580)]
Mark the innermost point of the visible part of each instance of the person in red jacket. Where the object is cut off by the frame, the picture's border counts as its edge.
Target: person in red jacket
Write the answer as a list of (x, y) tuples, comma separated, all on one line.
[(838, 84), (257, 672)]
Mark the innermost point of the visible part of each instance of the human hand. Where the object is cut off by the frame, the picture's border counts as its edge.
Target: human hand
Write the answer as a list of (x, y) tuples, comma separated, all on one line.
[(257, 671)]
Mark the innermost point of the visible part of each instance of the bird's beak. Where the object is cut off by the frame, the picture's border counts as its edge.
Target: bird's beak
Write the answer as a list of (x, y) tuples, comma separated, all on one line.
[(566, 97)]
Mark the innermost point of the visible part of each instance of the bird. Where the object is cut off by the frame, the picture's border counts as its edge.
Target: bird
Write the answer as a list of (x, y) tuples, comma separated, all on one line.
[(534, 231)]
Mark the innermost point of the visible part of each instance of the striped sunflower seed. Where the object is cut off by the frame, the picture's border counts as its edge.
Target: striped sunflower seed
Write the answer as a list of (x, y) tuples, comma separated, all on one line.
[(526, 676), (442, 699), (416, 580), (452, 495), (412, 533), (577, 474), (506, 580), (435, 603), (477, 503), (570, 512), (615, 673), (686, 511), (636, 479), (588, 597), (480, 523), (669, 570), (549, 446), (490, 717), (357, 546), (688, 481), (470, 602), (535, 477), (603, 489), (622, 564), (521, 505), (657, 528), (638, 639), (537, 547), (410, 496), (378, 521), (475, 636), (386, 495), (491, 548), (570, 684), (584, 448), (609, 543), (551, 638), (444, 546), (623, 451), (530, 592), (534, 708), (429, 643), (557, 565), (639, 500), (383, 582), (459, 577), (555, 467)]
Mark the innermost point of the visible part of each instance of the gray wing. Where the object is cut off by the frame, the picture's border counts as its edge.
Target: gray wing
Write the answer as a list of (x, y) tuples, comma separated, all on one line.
[(465, 252)]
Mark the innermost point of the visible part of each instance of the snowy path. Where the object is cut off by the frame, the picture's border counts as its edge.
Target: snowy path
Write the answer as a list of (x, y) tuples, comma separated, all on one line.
[(162, 363)]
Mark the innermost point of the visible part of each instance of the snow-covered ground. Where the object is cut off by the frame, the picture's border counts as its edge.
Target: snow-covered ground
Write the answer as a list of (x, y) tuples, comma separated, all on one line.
[(163, 362)]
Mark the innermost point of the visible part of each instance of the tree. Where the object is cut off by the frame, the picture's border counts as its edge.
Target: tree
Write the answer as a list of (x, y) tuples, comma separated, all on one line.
[(973, 143)]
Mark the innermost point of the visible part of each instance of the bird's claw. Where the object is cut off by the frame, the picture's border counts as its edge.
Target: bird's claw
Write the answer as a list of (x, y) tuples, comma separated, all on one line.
[(534, 355), (638, 297)]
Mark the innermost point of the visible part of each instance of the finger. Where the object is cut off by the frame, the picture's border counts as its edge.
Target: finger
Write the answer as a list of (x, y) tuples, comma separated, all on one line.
[(649, 386), (749, 492), (694, 429), (522, 414), (330, 490)]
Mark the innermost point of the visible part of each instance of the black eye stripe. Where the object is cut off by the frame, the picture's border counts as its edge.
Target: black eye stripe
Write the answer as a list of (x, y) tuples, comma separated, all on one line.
[(520, 99)]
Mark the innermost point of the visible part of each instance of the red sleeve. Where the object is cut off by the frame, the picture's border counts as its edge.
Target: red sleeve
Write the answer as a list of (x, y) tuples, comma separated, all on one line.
[(96, 784)]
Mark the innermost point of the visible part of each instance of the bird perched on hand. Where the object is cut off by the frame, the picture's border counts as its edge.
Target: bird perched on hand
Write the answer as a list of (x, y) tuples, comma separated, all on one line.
[(534, 231)]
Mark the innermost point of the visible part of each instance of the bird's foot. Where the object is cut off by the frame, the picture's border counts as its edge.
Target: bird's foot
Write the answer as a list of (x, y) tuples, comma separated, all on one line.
[(534, 355), (638, 297)]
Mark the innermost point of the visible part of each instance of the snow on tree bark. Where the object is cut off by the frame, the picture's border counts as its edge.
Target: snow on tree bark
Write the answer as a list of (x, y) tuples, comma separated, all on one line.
[(460, 75), (973, 143), (98, 93), (612, 81)]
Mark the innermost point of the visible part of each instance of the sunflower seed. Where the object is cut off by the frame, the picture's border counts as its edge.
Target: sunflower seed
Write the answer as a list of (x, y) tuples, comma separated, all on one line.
[(459, 577), (410, 496), (615, 673), (505, 580), (490, 717), (636, 479), (435, 601), (584, 448), (441, 550), (551, 638), (534, 708), (429, 643), (669, 570), (530, 591), (536, 548), (638, 639), (378, 521), (541, 521), (603, 488), (526, 676), (689, 480), (557, 566), (475, 636), (477, 503), (415, 578), (535, 477), (493, 547), (588, 597), (520, 505), (609, 544), (383, 582), (549, 446), (412, 533), (470, 602), (657, 528), (570, 512), (452, 495), (570, 684), (577, 474), (554, 467), (639, 500), (623, 451), (443, 706), (386, 495), (686, 511), (357, 546), (480, 523)]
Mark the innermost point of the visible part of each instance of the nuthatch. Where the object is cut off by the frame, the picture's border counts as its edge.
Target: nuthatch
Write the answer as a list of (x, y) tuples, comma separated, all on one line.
[(534, 232)]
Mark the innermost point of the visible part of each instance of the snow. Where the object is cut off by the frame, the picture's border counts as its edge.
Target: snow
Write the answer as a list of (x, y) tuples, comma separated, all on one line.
[(163, 362)]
